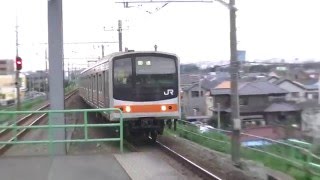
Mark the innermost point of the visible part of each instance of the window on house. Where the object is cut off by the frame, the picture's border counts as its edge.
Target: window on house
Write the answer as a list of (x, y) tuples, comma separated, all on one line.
[(196, 93), (295, 94), (243, 101), (282, 117)]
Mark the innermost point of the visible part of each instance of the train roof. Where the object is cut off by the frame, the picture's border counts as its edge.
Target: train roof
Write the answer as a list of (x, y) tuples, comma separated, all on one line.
[(115, 54)]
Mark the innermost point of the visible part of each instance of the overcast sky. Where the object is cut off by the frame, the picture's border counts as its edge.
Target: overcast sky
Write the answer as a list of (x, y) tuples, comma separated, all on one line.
[(195, 31)]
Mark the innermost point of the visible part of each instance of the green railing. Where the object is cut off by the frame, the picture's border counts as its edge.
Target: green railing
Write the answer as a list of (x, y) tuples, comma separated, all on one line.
[(296, 160), (51, 126), (26, 105)]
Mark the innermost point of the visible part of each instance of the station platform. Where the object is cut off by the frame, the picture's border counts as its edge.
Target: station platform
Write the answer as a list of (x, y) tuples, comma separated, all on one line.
[(83, 167)]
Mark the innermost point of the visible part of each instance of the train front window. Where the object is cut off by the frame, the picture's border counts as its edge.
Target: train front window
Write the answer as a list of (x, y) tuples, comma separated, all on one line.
[(155, 71), (145, 78)]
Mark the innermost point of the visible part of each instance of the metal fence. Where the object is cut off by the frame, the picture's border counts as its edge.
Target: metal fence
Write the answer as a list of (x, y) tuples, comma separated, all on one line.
[(277, 154), (52, 126)]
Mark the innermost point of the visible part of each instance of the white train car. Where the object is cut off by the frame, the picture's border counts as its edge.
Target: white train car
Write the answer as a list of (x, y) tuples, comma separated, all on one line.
[(144, 85)]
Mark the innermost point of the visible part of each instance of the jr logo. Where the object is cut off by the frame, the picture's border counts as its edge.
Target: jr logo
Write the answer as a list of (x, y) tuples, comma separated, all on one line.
[(169, 91)]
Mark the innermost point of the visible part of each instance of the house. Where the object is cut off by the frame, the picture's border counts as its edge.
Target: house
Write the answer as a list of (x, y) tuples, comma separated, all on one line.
[(187, 80), (310, 119), (297, 91), (6, 66), (312, 73), (272, 78), (298, 74), (195, 98), (261, 103), (312, 91), (37, 81), (8, 91)]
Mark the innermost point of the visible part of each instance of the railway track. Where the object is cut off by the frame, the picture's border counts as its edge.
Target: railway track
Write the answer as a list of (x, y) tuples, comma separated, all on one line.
[(201, 172), (28, 120)]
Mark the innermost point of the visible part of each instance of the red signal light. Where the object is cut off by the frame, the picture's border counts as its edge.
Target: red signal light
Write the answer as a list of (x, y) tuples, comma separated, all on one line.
[(18, 63)]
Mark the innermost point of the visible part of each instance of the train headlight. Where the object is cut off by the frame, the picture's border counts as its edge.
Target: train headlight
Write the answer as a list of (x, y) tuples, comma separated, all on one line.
[(163, 108), (128, 109)]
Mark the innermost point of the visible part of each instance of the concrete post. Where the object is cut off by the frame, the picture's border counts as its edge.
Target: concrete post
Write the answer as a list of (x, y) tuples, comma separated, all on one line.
[(56, 92)]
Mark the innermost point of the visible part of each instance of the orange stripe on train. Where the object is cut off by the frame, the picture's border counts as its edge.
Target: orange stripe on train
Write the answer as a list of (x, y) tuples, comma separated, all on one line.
[(148, 108)]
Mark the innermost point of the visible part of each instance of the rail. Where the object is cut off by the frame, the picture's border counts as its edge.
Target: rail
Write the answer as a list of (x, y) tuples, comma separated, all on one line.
[(50, 127), (292, 154)]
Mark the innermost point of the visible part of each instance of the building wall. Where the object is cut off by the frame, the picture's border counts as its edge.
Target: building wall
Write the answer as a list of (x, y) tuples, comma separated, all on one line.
[(190, 104), (6, 66), (8, 89), (310, 124), (312, 94), (257, 100), (209, 106), (7, 80), (223, 100), (37, 81)]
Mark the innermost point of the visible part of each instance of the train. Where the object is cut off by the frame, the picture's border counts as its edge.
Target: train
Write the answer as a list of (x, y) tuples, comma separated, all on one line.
[(144, 85)]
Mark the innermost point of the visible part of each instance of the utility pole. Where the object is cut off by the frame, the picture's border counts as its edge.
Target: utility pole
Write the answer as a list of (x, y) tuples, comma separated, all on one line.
[(17, 71), (46, 79), (235, 115), (56, 71), (120, 34), (68, 72), (102, 48), (235, 111)]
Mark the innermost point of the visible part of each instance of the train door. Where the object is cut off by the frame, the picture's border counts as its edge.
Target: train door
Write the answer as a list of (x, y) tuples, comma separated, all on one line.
[(97, 89), (92, 89), (103, 89), (106, 91), (100, 85), (87, 87)]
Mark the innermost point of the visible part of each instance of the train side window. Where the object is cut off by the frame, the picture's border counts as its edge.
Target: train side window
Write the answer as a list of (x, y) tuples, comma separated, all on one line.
[(122, 72), (100, 83)]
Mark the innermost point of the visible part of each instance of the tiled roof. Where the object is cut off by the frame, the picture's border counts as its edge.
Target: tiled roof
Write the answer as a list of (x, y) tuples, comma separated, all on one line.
[(282, 107), (224, 85), (250, 88), (292, 82)]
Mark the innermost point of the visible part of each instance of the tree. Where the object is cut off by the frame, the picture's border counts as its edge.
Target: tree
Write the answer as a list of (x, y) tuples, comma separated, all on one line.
[(189, 68), (258, 69)]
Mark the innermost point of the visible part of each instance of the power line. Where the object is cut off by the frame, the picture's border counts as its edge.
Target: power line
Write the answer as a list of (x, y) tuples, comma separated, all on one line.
[(126, 3), (97, 42), (173, 1)]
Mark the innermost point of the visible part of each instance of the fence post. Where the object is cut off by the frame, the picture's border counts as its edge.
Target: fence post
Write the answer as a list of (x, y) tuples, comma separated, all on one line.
[(86, 125), (121, 132), (50, 134), (15, 130)]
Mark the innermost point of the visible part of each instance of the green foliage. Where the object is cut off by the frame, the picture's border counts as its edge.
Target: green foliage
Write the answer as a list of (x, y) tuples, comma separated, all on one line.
[(283, 155), (189, 68), (258, 69), (25, 106)]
